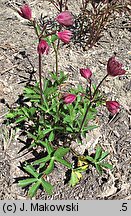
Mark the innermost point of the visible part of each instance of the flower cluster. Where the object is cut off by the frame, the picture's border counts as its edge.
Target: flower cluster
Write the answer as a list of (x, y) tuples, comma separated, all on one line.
[(65, 19), (114, 68)]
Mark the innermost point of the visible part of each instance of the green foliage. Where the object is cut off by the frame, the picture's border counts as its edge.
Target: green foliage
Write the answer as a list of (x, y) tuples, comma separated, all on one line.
[(36, 181), (51, 126), (97, 160)]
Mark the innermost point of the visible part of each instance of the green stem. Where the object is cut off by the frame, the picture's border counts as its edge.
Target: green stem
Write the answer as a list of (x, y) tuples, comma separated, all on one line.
[(56, 58), (91, 101), (40, 77)]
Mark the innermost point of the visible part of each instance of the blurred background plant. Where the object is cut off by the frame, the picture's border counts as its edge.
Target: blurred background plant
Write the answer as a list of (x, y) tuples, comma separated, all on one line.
[(94, 17)]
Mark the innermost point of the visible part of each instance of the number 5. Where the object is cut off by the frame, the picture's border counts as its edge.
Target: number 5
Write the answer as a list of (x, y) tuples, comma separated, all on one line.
[(124, 206)]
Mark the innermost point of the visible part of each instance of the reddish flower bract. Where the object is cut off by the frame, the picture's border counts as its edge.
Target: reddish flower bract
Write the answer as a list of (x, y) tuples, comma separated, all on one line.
[(25, 12), (65, 36), (69, 98), (86, 73), (43, 47), (114, 68), (113, 106), (65, 18)]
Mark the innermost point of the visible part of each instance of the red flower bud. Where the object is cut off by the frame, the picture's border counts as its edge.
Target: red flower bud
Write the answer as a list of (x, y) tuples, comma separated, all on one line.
[(86, 73), (65, 18), (65, 36), (69, 98), (25, 12), (113, 106), (114, 68), (43, 47)]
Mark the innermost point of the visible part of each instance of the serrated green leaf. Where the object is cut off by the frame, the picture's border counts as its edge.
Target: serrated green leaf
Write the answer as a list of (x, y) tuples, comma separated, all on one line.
[(25, 182), (51, 136), (32, 136), (98, 153), (64, 162), (20, 119), (47, 186), (32, 110), (42, 165), (31, 170), (67, 119), (43, 108), (69, 129), (33, 189), (29, 91), (44, 159), (103, 156), (91, 127), (25, 111), (99, 169), (61, 152), (50, 167), (48, 147), (90, 159), (47, 131), (11, 114)]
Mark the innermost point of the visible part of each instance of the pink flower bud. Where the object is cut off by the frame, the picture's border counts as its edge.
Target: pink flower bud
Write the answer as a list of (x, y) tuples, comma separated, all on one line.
[(113, 106), (25, 12), (65, 18), (86, 73), (65, 36), (69, 98), (114, 68), (43, 47)]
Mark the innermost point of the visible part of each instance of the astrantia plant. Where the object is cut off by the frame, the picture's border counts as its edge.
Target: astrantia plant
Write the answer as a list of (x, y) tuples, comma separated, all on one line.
[(52, 119)]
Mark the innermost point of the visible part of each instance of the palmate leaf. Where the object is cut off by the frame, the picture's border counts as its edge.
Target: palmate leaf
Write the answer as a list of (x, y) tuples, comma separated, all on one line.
[(33, 189), (25, 182)]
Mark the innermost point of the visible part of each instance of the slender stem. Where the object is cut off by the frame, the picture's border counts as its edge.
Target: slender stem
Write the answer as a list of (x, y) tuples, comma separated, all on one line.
[(56, 58), (91, 101), (40, 77), (96, 90)]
